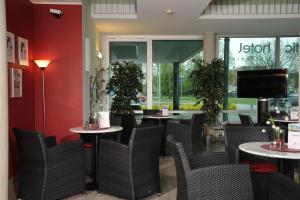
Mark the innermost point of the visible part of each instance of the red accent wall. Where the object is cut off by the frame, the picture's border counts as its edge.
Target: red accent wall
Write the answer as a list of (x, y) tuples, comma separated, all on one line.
[(21, 110), (59, 40)]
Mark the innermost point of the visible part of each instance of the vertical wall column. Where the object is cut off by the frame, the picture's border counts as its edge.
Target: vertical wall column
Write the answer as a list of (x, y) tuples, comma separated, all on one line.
[(209, 45), (176, 86), (3, 106), (226, 69), (299, 83)]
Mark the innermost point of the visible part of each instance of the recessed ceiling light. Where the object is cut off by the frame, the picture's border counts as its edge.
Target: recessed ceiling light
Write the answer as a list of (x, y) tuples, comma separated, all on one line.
[(169, 12)]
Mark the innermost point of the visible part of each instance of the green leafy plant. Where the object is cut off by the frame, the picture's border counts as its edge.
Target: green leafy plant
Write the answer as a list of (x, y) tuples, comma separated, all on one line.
[(208, 88), (124, 85)]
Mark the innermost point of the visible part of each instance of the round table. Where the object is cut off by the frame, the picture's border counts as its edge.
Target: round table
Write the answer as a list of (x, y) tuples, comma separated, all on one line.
[(97, 133), (256, 149)]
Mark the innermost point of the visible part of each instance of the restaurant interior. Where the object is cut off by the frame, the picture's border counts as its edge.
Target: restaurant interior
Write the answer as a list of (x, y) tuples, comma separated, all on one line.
[(156, 100)]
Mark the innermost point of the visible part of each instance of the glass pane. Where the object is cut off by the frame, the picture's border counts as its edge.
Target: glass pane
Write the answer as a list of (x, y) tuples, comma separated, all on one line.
[(246, 54), (131, 51), (170, 55), (289, 58)]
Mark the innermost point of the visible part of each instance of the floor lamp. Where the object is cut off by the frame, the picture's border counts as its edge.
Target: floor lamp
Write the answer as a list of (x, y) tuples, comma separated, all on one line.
[(42, 64)]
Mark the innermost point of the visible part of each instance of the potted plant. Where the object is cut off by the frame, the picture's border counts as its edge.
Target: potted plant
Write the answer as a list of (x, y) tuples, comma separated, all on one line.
[(208, 88), (124, 85)]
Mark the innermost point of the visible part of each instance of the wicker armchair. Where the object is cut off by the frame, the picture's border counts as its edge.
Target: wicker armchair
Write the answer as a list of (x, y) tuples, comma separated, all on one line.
[(208, 176), (189, 134), (132, 171), (281, 187), (260, 166), (246, 120), (49, 171), (128, 123)]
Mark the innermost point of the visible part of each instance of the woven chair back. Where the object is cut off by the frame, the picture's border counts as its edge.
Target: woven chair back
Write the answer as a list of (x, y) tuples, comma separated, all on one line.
[(246, 120), (146, 141), (236, 135)]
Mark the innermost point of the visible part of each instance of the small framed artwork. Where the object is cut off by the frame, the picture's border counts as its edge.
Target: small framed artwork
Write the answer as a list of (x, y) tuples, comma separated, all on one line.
[(23, 51), (16, 82), (10, 46)]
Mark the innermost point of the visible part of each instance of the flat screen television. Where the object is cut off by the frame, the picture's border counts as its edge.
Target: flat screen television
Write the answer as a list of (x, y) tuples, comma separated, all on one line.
[(271, 83)]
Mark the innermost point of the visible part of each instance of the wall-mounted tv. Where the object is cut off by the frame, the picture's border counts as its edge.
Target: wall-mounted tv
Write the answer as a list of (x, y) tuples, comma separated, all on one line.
[(271, 83)]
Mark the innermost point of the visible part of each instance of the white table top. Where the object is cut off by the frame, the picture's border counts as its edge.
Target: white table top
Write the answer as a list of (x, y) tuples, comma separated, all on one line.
[(256, 149), (157, 117), (96, 131)]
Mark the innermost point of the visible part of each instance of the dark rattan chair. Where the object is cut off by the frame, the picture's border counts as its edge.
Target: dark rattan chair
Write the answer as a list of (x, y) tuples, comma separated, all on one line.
[(246, 120), (208, 176), (260, 167), (132, 171), (49, 171), (190, 135), (281, 187), (128, 123)]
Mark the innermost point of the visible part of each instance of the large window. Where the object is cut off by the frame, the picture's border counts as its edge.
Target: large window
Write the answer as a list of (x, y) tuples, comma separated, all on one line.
[(167, 64), (289, 58), (172, 66), (131, 51), (260, 53)]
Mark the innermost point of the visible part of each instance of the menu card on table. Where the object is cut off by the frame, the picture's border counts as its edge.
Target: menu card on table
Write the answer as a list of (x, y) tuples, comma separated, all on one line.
[(294, 135)]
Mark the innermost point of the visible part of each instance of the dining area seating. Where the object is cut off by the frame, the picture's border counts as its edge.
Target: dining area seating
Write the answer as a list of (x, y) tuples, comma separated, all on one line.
[(131, 171), (49, 171), (216, 179), (189, 133)]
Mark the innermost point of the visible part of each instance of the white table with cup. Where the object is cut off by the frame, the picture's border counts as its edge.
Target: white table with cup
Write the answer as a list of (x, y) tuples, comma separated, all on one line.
[(97, 130)]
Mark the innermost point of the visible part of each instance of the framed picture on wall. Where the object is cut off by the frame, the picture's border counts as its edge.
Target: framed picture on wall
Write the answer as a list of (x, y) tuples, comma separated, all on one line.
[(16, 82), (23, 51), (10, 46)]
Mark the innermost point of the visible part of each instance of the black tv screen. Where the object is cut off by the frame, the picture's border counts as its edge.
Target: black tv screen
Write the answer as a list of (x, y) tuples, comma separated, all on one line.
[(271, 83)]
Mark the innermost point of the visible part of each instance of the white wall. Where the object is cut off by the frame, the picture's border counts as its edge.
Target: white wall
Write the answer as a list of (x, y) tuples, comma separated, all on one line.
[(3, 106)]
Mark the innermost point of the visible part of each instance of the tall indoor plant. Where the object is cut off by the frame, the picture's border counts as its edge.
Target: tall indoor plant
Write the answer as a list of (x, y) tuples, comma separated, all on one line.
[(208, 88), (124, 85)]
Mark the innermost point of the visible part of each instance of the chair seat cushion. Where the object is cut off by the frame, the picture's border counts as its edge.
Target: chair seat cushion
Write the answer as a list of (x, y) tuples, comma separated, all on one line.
[(75, 137), (260, 167), (88, 145)]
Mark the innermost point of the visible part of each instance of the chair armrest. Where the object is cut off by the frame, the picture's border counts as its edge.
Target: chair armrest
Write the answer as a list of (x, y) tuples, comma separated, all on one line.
[(50, 141), (177, 130), (233, 155), (234, 179), (207, 159), (109, 146), (113, 158), (181, 134), (282, 187), (71, 151)]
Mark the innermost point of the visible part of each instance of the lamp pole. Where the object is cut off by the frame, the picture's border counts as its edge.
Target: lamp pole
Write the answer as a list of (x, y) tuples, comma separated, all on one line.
[(44, 100), (42, 64)]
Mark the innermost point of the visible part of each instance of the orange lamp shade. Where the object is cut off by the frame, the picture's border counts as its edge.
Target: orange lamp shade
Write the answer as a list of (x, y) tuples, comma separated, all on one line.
[(42, 63)]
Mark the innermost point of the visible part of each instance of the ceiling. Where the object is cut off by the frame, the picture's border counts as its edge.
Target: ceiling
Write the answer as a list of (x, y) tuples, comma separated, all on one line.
[(152, 20)]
